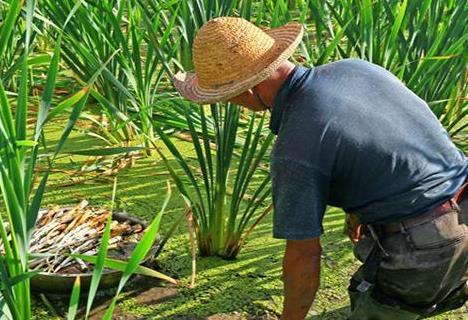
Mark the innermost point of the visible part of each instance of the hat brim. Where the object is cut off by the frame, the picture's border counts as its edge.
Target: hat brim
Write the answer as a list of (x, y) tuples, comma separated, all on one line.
[(286, 37)]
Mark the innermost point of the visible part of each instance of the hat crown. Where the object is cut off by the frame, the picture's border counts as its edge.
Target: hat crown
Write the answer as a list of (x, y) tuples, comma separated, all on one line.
[(227, 50)]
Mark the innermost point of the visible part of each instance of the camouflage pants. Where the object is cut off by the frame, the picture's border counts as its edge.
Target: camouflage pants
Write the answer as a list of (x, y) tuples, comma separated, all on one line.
[(424, 273)]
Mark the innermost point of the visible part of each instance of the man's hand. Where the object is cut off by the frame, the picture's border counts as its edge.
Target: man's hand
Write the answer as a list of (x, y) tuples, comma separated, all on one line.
[(301, 275), (354, 228)]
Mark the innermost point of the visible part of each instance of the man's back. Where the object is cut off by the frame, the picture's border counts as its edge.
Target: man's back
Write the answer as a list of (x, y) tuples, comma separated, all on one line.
[(361, 140)]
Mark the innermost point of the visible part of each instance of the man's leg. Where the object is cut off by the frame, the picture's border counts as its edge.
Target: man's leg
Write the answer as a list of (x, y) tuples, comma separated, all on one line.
[(454, 301), (367, 308), (412, 275), (361, 250), (364, 307), (427, 262)]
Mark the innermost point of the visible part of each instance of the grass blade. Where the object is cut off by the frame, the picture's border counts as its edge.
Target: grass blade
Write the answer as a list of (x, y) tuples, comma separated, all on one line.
[(99, 265), (122, 265), (105, 151), (139, 252), (74, 299), (66, 104), (8, 24)]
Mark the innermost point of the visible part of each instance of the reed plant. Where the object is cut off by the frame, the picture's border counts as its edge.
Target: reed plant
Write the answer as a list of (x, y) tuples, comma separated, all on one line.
[(422, 42), (229, 150), (128, 88), (19, 153), (22, 144), (217, 188)]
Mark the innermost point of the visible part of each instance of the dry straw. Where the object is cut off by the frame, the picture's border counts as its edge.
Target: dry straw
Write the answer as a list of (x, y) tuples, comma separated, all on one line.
[(232, 55)]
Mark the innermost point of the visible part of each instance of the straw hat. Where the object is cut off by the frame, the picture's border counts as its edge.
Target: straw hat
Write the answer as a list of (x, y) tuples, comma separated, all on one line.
[(232, 55)]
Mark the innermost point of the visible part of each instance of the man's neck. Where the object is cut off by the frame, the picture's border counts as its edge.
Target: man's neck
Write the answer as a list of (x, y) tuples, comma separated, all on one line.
[(269, 88)]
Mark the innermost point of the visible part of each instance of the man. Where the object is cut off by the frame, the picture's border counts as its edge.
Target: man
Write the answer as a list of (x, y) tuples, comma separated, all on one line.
[(351, 135)]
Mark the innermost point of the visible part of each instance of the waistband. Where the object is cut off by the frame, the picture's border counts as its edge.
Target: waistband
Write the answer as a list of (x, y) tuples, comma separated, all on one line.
[(446, 207)]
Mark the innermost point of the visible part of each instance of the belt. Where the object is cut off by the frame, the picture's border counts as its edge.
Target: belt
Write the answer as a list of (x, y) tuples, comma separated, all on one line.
[(446, 207)]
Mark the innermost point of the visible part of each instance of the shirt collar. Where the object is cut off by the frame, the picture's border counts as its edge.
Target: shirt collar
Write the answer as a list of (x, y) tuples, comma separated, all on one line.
[(282, 96)]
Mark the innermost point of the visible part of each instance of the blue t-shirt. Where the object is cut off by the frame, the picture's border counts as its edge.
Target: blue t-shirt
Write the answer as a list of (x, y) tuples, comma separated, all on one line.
[(351, 135)]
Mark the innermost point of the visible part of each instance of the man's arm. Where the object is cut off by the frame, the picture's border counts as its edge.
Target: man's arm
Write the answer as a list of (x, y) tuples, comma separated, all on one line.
[(301, 275)]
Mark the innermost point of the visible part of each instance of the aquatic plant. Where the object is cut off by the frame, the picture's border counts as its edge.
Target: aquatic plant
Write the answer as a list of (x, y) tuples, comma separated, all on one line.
[(21, 149), (422, 42), (19, 154), (216, 190), (129, 88)]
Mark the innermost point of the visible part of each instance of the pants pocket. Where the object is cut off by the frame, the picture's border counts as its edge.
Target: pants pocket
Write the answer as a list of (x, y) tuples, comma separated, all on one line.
[(441, 232), (424, 275)]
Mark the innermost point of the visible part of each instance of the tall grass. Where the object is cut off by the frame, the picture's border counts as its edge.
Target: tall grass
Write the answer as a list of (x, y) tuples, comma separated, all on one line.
[(222, 223), (19, 151), (422, 42), (128, 87), (227, 160)]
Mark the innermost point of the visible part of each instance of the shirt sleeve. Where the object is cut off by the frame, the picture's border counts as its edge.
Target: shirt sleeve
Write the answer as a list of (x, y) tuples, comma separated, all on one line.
[(300, 195)]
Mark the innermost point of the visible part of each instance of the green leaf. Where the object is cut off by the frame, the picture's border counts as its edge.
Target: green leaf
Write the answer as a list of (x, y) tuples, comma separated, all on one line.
[(8, 24), (4, 310), (17, 279), (35, 205), (140, 251), (67, 103), (15, 211), (398, 21), (332, 45), (105, 151), (26, 143), (121, 265), (70, 124), (48, 89), (7, 124), (8, 293), (99, 265), (39, 59), (74, 299)]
